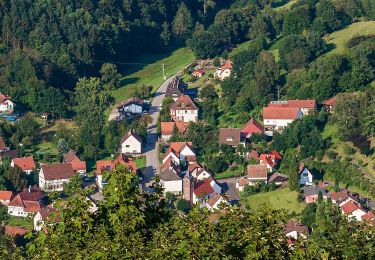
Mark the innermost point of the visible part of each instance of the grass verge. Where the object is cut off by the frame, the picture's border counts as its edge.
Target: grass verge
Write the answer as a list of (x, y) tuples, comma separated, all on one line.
[(277, 199)]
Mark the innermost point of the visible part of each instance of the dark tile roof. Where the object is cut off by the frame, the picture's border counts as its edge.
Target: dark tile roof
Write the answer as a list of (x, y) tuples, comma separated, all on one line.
[(57, 171), (230, 136), (175, 88)]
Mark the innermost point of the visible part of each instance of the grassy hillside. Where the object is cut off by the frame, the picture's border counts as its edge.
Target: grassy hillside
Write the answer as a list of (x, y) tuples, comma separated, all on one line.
[(149, 71), (366, 163), (339, 39), (277, 199)]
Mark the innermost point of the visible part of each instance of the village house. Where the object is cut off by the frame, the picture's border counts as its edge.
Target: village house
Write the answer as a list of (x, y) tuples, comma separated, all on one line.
[(133, 106), (131, 143), (341, 197), (180, 152), (26, 202), (306, 177), (170, 177), (42, 215), (167, 128), (255, 173), (306, 106), (269, 160), (250, 128), (369, 216), (184, 110), (224, 71), (205, 189), (198, 73), (5, 197), (175, 89), (77, 165), (328, 104), (109, 165), (52, 177), (295, 230), (231, 136), (311, 193), (5, 152), (27, 164), (278, 178), (277, 118), (201, 174), (353, 210), (214, 201), (6, 104)]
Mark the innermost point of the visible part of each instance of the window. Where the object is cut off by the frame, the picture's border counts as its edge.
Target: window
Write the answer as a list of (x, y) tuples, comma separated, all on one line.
[(134, 151), (305, 174), (127, 146)]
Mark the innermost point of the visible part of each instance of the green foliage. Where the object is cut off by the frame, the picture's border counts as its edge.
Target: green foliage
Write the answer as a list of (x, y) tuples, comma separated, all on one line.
[(92, 100), (17, 178), (257, 188), (293, 173), (74, 185), (308, 215)]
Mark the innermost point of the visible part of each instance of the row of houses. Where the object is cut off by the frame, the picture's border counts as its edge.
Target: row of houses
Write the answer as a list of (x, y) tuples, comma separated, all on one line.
[(181, 174), (347, 201), (221, 73)]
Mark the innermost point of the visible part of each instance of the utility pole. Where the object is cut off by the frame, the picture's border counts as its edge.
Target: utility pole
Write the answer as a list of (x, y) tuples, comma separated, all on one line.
[(164, 77)]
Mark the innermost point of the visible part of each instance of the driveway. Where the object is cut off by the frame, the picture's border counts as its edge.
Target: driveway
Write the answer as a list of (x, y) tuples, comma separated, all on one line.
[(151, 151)]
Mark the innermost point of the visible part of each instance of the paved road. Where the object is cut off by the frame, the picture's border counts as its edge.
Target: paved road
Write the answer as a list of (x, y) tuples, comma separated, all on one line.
[(230, 186), (151, 149)]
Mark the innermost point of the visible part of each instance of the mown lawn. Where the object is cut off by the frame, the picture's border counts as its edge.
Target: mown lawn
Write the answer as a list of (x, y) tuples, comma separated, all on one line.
[(277, 199), (140, 162), (339, 39), (19, 222), (284, 5), (152, 73)]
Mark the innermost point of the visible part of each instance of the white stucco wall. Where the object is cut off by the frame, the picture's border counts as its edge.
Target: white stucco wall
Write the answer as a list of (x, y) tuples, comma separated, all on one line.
[(131, 146)]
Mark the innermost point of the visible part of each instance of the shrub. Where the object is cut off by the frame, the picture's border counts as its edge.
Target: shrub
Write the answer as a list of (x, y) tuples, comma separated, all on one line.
[(347, 149), (182, 205), (331, 154)]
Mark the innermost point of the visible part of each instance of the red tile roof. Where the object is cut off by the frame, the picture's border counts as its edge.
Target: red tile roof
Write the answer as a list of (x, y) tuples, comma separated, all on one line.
[(192, 167), (243, 182), (368, 216), (349, 207), (27, 205), (198, 72), (287, 113), (4, 97), (330, 102), (297, 103), (2, 144), (254, 154), (252, 127), (339, 196), (15, 231), (57, 171), (184, 102), (227, 65), (277, 155), (25, 163), (167, 127), (31, 194), (109, 165), (214, 199), (6, 195), (257, 171), (203, 188), (293, 225), (179, 146), (72, 158)]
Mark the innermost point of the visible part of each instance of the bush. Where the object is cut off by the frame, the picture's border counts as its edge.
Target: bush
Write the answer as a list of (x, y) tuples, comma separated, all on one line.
[(331, 154), (182, 205), (347, 149), (319, 155), (361, 142)]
